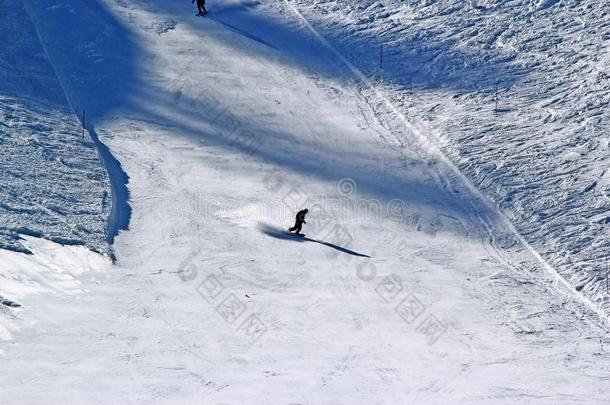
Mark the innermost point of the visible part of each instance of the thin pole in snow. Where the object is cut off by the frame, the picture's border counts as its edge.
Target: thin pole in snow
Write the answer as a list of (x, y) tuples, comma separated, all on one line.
[(83, 124), (496, 100), (607, 287)]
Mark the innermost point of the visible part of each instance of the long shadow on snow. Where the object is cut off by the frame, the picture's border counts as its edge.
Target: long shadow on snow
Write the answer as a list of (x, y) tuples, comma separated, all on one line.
[(98, 54), (410, 59), (323, 162), (99, 66), (20, 46), (278, 233), (94, 57)]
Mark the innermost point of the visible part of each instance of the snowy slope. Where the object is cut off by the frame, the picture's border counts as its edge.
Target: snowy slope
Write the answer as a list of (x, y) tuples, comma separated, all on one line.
[(52, 183), (229, 124), (542, 156)]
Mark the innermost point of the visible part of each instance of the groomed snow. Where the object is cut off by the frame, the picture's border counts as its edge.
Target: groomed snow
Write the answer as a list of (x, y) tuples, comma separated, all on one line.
[(230, 124), (541, 152)]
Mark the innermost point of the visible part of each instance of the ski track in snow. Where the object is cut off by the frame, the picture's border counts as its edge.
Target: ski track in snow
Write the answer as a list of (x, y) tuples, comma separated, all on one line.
[(541, 156), (241, 119), (415, 136)]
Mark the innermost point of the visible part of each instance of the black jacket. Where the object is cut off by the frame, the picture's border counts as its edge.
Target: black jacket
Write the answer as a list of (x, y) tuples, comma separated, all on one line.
[(301, 216)]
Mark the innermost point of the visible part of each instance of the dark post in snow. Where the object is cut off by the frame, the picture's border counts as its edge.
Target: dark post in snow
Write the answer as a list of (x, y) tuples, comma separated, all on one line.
[(496, 100)]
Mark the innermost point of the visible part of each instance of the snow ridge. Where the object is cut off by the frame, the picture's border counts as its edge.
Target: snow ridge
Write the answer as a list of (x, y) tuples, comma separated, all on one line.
[(53, 185)]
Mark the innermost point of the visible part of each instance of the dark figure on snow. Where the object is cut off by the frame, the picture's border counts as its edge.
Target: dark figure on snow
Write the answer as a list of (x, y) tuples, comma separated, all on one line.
[(299, 221), (201, 7)]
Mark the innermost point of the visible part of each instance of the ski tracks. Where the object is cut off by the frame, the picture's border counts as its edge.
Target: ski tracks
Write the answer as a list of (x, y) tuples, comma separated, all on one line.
[(429, 150)]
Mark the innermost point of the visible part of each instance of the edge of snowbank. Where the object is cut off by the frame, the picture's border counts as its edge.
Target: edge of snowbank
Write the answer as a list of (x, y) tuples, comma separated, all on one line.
[(120, 212)]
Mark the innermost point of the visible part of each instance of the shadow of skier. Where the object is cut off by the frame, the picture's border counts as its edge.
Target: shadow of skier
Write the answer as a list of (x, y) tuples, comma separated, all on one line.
[(278, 233)]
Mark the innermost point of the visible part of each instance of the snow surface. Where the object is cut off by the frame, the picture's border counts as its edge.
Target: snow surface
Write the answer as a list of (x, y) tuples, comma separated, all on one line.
[(51, 184), (225, 126), (541, 154)]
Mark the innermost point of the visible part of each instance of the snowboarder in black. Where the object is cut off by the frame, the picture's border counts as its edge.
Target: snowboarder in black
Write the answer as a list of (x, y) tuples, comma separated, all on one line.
[(201, 7), (299, 221)]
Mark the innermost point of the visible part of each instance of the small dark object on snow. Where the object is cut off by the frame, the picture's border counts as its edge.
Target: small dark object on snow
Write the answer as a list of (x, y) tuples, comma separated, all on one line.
[(8, 303), (201, 7), (299, 221)]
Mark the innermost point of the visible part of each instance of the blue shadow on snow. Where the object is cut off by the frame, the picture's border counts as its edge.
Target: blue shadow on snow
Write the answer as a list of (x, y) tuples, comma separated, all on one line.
[(278, 233), (99, 65)]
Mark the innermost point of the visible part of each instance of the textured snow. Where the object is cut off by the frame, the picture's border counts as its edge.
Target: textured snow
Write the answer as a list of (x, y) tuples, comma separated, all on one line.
[(52, 183), (542, 156), (225, 126)]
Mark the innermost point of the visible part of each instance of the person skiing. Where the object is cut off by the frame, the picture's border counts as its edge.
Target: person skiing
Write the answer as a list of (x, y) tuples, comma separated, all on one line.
[(299, 221), (200, 7)]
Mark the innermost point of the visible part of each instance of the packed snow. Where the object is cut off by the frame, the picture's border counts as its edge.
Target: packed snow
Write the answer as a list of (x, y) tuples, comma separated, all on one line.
[(515, 93), (410, 286)]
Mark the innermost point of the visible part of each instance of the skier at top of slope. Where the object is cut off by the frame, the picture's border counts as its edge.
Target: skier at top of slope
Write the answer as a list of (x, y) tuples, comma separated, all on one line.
[(201, 7), (299, 221)]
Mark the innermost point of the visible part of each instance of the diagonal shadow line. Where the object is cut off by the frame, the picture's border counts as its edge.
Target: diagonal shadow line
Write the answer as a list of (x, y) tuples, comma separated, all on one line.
[(115, 85), (339, 248), (242, 32), (278, 233)]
